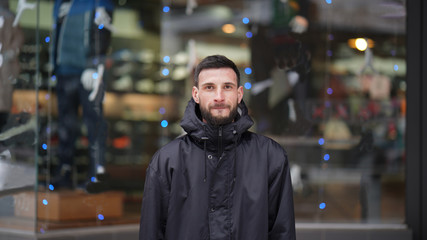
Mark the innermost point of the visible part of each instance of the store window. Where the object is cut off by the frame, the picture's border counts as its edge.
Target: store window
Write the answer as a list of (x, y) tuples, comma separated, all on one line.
[(95, 89), (326, 79)]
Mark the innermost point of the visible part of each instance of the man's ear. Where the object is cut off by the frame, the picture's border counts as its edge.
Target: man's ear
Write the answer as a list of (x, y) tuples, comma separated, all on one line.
[(240, 93), (195, 93)]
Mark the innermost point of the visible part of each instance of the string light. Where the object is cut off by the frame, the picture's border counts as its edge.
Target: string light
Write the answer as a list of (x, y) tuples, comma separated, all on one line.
[(165, 72), (166, 59), (164, 123), (326, 157)]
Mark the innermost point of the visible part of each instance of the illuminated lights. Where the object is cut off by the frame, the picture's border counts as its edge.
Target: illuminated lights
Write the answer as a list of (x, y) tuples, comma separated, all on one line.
[(162, 110), (228, 28), (249, 34), (165, 72), (47, 39), (396, 67), (322, 205), (95, 75), (326, 157), (53, 78), (361, 44), (248, 85), (248, 71), (93, 179), (321, 141), (166, 9), (100, 217), (329, 91), (44, 146), (245, 20), (51, 187), (328, 1), (164, 123), (166, 59), (44, 202), (101, 26)]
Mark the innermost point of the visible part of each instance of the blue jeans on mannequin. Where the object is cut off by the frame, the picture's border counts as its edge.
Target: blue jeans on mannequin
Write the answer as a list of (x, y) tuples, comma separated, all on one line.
[(71, 94)]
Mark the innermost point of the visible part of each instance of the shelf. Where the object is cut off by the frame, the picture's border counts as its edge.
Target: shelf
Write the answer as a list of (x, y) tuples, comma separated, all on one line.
[(128, 106)]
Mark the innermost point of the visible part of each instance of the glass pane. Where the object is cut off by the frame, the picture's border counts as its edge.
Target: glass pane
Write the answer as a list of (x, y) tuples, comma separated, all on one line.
[(18, 115), (326, 79), (106, 109), (337, 108)]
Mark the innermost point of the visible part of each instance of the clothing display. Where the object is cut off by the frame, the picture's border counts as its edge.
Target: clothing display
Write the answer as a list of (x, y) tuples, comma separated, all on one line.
[(79, 45), (11, 40), (218, 183)]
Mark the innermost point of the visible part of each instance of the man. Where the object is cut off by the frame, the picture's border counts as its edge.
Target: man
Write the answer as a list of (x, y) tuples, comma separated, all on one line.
[(219, 181)]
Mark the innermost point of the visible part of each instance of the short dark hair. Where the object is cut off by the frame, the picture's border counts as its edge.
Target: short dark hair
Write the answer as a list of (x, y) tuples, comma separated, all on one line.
[(215, 61)]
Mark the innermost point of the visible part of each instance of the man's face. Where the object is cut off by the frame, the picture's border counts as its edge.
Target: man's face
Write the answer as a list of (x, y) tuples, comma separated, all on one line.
[(218, 95)]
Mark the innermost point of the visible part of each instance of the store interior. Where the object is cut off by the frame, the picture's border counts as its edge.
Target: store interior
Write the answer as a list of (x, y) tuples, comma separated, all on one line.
[(325, 79)]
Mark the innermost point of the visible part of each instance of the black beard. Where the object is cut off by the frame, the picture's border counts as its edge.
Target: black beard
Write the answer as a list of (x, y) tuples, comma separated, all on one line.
[(218, 121)]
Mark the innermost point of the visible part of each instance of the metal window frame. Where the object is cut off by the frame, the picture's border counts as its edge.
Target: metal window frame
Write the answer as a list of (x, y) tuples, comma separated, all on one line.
[(416, 130)]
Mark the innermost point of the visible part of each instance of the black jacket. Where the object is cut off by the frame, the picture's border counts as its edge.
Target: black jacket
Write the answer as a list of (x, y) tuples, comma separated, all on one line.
[(218, 183)]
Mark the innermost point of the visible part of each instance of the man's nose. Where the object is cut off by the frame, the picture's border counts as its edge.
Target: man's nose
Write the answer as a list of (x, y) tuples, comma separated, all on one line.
[(219, 95)]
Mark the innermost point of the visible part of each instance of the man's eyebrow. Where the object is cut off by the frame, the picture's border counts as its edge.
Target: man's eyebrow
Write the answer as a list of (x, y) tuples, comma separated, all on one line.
[(230, 83), (225, 83), (207, 83)]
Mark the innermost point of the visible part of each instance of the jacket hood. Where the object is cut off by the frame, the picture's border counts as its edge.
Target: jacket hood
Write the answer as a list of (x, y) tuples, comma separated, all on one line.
[(194, 126)]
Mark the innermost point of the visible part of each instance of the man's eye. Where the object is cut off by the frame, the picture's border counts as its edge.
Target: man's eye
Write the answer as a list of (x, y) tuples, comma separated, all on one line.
[(209, 87)]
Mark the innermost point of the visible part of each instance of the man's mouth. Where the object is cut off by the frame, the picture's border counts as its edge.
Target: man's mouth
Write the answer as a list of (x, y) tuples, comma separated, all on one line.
[(219, 106)]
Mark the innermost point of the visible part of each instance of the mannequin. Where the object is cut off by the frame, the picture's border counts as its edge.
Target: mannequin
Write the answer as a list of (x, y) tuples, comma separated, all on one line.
[(11, 40), (81, 37)]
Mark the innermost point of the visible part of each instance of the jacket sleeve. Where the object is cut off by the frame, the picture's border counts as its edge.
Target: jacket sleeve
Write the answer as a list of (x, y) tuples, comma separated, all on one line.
[(154, 207), (281, 206)]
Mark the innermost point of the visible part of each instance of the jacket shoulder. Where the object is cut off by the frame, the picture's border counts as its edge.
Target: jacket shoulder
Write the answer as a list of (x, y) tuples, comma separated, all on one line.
[(168, 152)]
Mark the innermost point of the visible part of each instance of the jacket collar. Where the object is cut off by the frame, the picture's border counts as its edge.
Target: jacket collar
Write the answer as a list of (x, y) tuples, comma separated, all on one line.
[(200, 131)]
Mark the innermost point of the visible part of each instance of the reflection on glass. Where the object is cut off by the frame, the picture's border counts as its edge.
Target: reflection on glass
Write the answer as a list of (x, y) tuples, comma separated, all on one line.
[(338, 111)]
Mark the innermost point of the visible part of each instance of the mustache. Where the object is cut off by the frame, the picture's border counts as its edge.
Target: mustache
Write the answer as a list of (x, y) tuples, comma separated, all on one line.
[(219, 105)]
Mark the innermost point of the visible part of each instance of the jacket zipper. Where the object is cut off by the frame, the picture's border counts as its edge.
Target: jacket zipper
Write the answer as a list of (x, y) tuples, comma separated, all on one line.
[(220, 142)]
